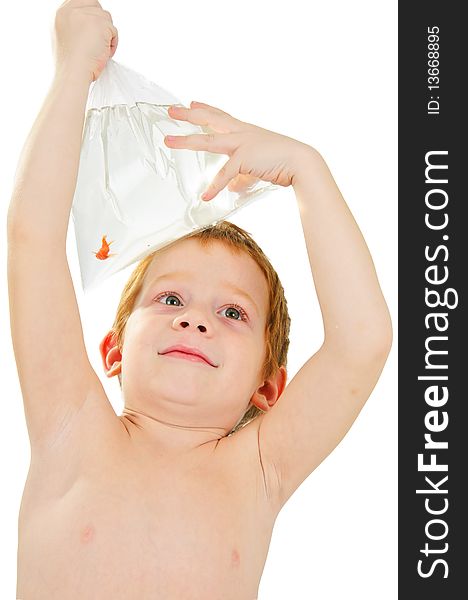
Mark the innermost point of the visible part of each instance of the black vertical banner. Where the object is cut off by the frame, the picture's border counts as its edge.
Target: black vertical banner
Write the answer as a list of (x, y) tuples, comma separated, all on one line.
[(432, 328)]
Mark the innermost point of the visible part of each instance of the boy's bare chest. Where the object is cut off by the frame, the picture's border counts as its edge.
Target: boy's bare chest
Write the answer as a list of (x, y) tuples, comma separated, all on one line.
[(191, 529)]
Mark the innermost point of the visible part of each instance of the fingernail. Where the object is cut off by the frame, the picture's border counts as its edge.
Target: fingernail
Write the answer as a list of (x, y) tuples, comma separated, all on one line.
[(171, 138)]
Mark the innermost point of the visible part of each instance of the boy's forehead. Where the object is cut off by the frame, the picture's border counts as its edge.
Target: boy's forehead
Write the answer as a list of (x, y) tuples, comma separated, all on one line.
[(189, 256)]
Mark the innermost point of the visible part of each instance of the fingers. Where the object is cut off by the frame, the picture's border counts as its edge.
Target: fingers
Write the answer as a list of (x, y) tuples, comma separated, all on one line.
[(242, 182), (209, 142), (80, 3), (195, 103), (114, 43), (96, 11), (225, 141), (218, 143), (213, 117), (229, 171)]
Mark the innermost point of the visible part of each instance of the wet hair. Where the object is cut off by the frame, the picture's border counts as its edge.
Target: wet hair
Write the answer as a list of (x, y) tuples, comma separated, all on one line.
[(277, 323)]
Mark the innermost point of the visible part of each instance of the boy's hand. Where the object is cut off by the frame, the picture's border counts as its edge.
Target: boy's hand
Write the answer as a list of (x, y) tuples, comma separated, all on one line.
[(254, 153), (84, 37)]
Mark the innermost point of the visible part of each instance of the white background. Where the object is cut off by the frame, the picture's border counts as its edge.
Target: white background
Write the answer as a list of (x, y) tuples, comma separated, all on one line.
[(323, 72)]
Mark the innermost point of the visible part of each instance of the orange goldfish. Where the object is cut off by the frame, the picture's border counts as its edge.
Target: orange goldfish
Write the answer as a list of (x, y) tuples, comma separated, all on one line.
[(103, 251)]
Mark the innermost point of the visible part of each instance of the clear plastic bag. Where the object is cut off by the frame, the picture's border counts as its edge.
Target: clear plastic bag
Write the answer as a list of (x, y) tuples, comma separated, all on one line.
[(133, 194)]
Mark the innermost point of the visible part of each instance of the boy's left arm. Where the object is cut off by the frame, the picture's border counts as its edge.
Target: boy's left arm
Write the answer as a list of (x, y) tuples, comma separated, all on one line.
[(324, 398)]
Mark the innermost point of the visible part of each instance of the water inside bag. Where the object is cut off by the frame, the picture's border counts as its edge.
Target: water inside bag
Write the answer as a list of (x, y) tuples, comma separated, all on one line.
[(133, 194)]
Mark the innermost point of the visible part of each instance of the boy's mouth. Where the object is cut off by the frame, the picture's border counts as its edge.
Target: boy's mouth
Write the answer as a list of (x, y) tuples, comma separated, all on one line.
[(187, 353)]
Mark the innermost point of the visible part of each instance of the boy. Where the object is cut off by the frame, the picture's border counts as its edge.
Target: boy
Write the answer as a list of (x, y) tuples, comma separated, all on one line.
[(161, 502)]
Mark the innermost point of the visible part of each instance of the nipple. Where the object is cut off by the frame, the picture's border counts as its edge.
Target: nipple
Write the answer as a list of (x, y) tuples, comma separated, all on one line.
[(235, 558), (87, 534)]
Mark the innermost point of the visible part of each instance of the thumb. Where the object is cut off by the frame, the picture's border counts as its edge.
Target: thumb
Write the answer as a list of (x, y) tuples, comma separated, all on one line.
[(114, 42), (241, 182)]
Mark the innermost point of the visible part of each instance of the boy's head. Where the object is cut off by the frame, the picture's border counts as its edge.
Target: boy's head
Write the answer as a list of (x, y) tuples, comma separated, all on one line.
[(184, 294)]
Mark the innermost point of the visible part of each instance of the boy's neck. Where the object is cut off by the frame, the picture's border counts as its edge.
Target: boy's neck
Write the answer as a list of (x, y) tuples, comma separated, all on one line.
[(166, 436)]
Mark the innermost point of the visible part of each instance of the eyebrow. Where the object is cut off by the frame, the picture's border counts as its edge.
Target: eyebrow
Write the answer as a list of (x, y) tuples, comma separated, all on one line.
[(226, 284)]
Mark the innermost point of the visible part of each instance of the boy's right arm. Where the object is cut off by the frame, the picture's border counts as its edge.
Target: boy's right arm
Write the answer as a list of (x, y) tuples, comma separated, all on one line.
[(55, 374)]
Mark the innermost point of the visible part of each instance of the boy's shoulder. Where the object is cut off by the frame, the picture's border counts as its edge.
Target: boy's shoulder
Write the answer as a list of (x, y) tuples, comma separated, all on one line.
[(92, 436)]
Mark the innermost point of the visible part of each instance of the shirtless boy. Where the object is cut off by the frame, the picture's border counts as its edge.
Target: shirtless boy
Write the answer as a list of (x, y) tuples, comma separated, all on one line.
[(161, 503)]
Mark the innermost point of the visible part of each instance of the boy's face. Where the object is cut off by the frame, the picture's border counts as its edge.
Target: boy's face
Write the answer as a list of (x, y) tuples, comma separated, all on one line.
[(188, 298)]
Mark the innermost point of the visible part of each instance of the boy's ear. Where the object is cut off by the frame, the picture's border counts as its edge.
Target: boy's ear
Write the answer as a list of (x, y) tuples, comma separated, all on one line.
[(110, 354), (271, 389)]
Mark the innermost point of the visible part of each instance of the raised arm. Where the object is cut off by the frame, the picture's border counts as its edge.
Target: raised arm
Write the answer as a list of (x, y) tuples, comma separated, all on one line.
[(321, 402), (53, 367), (355, 315)]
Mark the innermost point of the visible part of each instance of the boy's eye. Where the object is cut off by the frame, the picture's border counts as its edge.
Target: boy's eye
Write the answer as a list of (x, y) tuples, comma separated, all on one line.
[(171, 298), (239, 312)]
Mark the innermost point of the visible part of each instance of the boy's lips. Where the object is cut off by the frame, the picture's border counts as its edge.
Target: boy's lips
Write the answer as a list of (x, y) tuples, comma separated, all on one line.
[(188, 350)]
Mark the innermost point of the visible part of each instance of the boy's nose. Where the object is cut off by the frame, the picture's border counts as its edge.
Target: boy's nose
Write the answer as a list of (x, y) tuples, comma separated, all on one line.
[(187, 324), (184, 322)]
